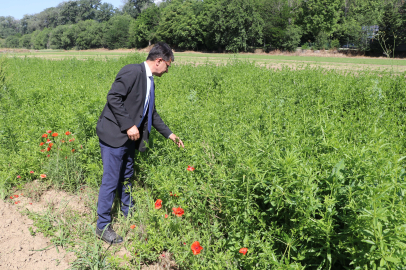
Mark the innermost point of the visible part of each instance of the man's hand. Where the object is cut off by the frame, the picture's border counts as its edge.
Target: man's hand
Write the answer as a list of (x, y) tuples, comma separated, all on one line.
[(176, 140), (133, 133)]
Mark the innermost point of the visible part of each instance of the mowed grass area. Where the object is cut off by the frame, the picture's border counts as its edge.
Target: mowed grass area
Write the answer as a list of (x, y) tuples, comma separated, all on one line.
[(294, 60)]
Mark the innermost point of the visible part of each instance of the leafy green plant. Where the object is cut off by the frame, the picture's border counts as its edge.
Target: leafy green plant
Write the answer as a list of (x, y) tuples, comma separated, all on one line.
[(304, 168)]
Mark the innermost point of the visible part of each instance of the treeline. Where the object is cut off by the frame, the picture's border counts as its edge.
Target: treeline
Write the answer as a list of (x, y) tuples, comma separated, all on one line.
[(216, 25)]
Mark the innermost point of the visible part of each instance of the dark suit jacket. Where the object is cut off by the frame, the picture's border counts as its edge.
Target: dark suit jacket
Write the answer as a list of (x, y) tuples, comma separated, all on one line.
[(124, 107)]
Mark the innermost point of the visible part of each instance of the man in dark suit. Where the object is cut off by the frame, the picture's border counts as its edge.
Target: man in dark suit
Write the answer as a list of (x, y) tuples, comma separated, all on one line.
[(124, 125)]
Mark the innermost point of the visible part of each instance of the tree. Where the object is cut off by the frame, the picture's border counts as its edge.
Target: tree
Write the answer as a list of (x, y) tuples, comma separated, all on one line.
[(276, 15), (291, 38), (391, 31), (232, 24), (105, 12), (134, 7), (40, 39), (12, 41), (87, 9), (25, 41), (179, 25), (88, 34), (317, 16), (68, 12), (68, 39), (55, 37), (142, 31), (116, 35), (8, 26)]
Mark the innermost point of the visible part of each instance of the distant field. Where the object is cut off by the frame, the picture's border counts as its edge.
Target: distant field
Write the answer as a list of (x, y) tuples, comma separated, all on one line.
[(295, 60)]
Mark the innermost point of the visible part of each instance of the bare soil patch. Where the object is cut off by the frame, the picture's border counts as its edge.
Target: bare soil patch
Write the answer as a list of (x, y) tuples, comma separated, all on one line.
[(22, 250), (18, 245)]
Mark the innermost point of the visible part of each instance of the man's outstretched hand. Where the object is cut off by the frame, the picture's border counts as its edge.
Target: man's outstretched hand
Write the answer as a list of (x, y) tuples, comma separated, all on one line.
[(176, 140), (133, 133)]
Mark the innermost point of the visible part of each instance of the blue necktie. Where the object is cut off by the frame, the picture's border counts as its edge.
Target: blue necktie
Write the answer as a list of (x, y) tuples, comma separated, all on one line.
[(151, 103)]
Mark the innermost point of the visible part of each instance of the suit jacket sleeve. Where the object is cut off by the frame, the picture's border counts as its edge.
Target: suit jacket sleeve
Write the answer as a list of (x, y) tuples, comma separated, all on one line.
[(118, 93)]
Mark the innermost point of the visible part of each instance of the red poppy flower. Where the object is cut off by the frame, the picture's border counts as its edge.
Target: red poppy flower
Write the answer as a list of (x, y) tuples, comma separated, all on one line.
[(51, 144), (166, 215), (190, 168), (18, 176), (73, 150), (43, 175), (16, 196), (17, 202), (48, 140), (54, 134), (31, 171), (48, 149), (48, 155), (31, 203), (67, 133), (41, 144), (243, 251), (70, 140), (132, 226), (158, 204), (44, 135), (170, 194), (11, 197), (48, 131), (196, 247), (178, 211), (63, 141), (42, 150)]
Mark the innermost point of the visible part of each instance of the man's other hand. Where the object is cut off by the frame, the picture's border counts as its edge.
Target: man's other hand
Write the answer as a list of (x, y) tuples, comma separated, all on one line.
[(176, 140), (133, 133)]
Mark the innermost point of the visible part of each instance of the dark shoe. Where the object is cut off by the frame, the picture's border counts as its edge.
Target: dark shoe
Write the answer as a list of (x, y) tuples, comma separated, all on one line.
[(109, 235)]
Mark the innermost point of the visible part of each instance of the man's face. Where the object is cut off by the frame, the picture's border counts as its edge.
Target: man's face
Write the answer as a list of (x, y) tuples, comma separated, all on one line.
[(162, 66)]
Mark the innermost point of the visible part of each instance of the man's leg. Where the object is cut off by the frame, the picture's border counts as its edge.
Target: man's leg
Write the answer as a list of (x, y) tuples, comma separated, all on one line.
[(112, 164), (125, 185)]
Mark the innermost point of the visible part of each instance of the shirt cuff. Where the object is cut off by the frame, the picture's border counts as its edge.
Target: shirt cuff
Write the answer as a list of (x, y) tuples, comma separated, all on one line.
[(169, 135)]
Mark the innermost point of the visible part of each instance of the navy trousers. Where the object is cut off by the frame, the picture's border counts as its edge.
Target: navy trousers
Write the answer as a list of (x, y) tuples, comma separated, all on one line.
[(118, 166)]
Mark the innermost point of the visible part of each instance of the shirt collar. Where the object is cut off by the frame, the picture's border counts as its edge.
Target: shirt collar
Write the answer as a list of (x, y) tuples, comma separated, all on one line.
[(147, 70)]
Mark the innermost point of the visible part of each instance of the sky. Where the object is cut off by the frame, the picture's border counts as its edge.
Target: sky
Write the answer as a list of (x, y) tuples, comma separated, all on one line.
[(18, 8)]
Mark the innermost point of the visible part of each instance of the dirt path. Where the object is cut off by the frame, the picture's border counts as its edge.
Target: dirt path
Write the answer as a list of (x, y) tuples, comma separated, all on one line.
[(21, 250), (17, 244)]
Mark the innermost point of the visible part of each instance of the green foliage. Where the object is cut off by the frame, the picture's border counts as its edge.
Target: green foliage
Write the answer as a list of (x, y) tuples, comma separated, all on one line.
[(135, 7), (234, 25), (391, 31), (180, 26), (291, 38), (25, 41), (335, 44), (322, 41), (305, 168), (320, 16), (142, 31), (89, 34), (116, 35), (12, 42), (275, 15)]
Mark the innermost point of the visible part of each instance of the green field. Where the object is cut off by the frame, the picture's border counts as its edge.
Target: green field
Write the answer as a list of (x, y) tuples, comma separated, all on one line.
[(305, 168), (398, 65)]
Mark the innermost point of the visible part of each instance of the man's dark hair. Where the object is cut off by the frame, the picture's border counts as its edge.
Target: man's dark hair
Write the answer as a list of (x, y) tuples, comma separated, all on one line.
[(161, 50)]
